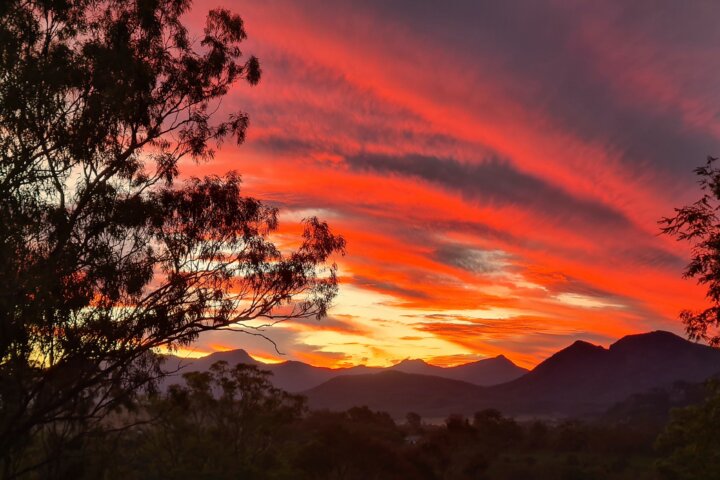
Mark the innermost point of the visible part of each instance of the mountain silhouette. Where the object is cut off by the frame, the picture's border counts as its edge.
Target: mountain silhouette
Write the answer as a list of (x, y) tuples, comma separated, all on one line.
[(580, 379), (585, 377), (490, 371), (294, 376), (420, 367), (177, 365)]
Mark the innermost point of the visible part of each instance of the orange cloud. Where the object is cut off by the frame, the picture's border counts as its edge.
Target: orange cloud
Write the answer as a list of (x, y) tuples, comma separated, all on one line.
[(518, 171)]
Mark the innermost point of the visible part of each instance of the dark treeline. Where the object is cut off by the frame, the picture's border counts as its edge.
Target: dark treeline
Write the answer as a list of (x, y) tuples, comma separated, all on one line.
[(231, 422)]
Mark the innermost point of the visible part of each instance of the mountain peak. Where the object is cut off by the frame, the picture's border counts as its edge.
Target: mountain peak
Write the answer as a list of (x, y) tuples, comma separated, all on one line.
[(656, 339), (233, 357), (574, 355), (413, 365), (501, 359), (581, 347), (582, 344), (411, 362)]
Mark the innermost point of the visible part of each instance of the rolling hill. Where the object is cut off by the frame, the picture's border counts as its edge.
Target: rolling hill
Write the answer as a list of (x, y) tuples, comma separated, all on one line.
[(396, 393)]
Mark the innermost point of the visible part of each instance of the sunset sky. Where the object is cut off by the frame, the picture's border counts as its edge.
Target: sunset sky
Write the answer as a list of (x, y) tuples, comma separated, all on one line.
[(497, 168)]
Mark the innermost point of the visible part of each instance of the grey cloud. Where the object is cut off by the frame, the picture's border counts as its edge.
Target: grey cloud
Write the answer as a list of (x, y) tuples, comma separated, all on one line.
[(537, 42), (656, 257), (537, 48), (388, 287), (495, 181), (470, 259)]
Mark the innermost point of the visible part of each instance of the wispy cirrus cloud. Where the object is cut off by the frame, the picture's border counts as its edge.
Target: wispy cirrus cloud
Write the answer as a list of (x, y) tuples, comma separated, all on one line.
[(498, 169)]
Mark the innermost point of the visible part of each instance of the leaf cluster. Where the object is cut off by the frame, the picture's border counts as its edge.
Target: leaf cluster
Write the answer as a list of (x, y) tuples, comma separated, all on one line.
[(105, 254), (698, 224)]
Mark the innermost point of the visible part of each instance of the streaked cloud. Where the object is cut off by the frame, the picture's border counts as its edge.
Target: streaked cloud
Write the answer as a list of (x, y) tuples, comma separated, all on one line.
[(498, 168)]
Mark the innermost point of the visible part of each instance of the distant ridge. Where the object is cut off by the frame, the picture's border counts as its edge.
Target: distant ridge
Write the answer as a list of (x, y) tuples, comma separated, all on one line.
[(490, 371), (294, 376), (178, 365), (580, 379), (395, 392)]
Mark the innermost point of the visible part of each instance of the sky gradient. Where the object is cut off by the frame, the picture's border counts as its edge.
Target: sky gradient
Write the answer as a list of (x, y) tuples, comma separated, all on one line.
[(497, 168)]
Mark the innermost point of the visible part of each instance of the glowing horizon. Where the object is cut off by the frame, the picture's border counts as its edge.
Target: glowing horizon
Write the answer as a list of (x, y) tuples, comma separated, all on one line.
[(498, 172)]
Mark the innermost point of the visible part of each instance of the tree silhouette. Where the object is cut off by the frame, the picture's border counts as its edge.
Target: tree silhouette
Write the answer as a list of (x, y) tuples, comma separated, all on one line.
[(688, 446), (104, 254), (699, 224), (228, 422)]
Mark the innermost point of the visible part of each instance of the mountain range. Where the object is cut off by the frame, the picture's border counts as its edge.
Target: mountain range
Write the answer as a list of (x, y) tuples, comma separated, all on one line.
[(581, 379), (295, 377)]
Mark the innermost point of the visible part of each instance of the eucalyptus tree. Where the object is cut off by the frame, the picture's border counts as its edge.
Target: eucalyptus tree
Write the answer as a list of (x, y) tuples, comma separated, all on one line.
[(699, 224), (106, 254)]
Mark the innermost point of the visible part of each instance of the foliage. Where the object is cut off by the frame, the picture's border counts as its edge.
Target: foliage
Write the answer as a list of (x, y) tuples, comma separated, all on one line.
[(690, 444), (225, 423), (356, 444), (495, 430), (232, 423), (104, 254), (699, 224)]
